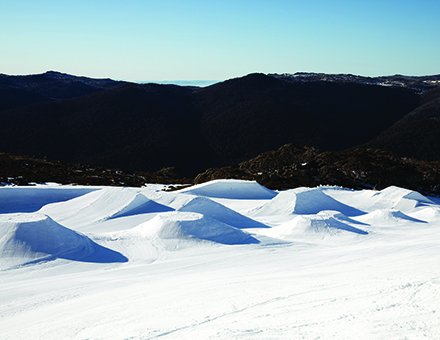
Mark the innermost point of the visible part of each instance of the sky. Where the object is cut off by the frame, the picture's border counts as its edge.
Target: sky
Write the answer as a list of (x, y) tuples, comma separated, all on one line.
[(142, 40)]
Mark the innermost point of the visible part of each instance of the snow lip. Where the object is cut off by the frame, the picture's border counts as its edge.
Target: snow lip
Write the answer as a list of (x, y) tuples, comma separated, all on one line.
[(219, 212), (231, 188)]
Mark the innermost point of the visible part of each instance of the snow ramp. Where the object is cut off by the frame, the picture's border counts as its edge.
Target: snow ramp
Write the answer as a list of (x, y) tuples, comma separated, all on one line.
[(303, 201), (427, 214), (30, 238), (102, 205), (231, 188), (181, 225), (398, 198), (219, 212), (387, 217), (315, 227)]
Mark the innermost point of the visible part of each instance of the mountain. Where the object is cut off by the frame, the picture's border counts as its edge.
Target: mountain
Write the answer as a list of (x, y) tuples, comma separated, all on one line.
[(429, 108), (417, 84), (417, 134), (244, 117), (146, 127), (16, 91), (135, 127)]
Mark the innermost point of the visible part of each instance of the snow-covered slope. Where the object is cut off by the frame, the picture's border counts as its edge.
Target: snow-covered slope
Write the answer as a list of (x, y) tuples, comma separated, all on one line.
[(222, 260), (31, 199), (33, 237)]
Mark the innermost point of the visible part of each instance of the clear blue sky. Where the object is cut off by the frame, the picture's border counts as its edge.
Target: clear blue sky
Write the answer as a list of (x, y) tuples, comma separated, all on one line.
[(188, 39)]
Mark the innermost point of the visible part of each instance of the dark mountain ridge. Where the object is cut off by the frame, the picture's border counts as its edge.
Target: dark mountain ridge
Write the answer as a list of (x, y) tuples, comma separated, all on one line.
[(127, 127), (417, 134), (58, 85), (146, 127), (246, 116), (418, 84), (16, 91)]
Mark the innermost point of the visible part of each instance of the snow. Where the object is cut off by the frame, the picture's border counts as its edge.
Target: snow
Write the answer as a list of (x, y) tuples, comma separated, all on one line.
[(102, 205), (319, 226), (219, 212), (226, 259), (31, 199), (178, 225), (231, 189), (387, 217), (303, 201), (33, 237)]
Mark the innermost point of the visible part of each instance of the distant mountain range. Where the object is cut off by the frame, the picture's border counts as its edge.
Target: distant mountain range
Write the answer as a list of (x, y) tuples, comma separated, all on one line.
[(182, 82), (415, 83), (146, 127)]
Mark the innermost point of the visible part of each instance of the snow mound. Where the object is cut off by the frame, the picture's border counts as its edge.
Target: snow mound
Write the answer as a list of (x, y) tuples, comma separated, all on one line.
[(315, 227), (102, 205), (399, 198), (303, 201), (219, 212), (340, 217), (231, 188), (428, 214), (386, 217), (191, 226), (33, 237), (139, 204)]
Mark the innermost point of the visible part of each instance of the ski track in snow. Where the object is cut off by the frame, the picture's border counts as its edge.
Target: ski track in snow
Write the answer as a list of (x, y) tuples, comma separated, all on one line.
[(223, 260)]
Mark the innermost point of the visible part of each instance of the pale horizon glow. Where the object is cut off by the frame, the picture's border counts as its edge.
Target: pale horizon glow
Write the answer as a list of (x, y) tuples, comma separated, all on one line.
[(192, 40)]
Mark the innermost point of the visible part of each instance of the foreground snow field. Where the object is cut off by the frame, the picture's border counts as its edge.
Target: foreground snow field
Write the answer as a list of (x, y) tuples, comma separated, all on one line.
[(223, 260)]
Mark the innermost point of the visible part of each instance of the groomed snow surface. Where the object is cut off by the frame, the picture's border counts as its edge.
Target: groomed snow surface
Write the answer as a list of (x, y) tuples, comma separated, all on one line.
[(223, 260)]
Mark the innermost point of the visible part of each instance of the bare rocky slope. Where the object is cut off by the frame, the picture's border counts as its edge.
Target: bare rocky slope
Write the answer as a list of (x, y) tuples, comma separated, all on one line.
[(290, 166), (294, 166), (24, 170)]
